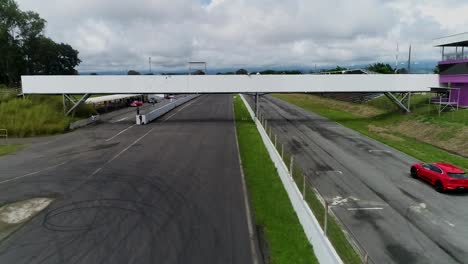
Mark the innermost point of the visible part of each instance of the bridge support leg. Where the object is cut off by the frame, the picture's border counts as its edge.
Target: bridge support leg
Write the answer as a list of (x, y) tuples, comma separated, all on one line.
[(256, 105), (70, 103), (402, 100)]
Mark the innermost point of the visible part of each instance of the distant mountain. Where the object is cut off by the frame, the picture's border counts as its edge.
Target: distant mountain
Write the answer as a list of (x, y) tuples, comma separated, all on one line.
[(419, 67)]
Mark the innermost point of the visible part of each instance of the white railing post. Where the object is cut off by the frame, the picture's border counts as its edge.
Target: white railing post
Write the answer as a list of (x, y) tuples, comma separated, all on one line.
[(304, 186), (325, 220), (291, 165)]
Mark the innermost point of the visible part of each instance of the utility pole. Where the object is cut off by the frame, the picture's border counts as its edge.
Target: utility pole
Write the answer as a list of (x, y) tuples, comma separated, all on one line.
[(409, 60), (396, 58), (149, 62)]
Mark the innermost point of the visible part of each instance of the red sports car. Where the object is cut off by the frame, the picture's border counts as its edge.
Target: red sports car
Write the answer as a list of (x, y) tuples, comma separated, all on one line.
[(442, 176)]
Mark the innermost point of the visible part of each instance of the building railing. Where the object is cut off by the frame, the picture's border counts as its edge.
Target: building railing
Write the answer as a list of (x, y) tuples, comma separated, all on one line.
[(455, 56)]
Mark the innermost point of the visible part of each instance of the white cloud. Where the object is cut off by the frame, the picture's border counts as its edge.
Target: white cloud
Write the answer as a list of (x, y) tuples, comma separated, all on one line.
[(121, 35)]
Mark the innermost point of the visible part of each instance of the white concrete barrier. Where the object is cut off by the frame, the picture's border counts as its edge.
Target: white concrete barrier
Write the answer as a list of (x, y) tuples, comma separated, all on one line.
[(84, 122), (323, 249), (148, 117)]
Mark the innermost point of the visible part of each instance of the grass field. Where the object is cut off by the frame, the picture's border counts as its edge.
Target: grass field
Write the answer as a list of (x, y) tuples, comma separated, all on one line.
[(35, 115), (9, 148), (273, 211), (422, 134)]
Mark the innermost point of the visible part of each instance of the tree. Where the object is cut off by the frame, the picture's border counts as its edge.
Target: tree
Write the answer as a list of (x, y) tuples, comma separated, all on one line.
[(436, 69), (242, 72), (402, 71), (9, 24), (336, 69), (27, 50), (381, 68), (133, 72), (54, 59), (198, 72)]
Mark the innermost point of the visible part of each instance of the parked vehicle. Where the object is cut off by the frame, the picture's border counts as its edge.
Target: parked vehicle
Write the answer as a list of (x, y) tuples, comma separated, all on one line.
[(155, 98), (136, 103), (443, 176)]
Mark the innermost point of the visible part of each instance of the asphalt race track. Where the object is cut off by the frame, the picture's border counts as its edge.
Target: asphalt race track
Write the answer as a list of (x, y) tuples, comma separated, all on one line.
[(395, 218), (167, 192)]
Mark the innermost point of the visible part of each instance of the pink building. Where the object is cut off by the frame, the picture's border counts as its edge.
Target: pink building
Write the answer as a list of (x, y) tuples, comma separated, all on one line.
[(453, 67)]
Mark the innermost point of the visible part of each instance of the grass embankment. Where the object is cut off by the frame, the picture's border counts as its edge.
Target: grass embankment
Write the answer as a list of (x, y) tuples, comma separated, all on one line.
[(422, 134), (273, 211), (35, 115)]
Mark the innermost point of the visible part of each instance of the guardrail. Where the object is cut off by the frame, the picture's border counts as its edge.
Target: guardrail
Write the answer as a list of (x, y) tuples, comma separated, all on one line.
[(84, 122), (148, 117), (323, 249), (4, 134)]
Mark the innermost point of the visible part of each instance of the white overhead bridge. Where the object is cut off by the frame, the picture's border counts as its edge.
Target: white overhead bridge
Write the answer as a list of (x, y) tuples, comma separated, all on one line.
[(390, 84), (308, 83)]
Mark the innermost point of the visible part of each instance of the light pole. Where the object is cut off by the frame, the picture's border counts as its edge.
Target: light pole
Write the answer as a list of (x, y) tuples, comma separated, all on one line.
[(149, 62)]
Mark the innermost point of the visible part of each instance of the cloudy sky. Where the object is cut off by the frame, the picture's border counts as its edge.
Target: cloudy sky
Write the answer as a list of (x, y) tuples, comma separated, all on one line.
[(122, 34)]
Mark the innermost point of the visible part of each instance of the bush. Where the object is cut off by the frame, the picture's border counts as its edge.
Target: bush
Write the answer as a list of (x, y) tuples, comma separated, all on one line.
[(37, 115)]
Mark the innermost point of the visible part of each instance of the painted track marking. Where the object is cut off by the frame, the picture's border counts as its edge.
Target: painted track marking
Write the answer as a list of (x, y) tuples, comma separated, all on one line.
[(327, 171), (140, 138), (120, 120), (364, 208), (33, 173), (379, 150), (120, 132), (180, 109)]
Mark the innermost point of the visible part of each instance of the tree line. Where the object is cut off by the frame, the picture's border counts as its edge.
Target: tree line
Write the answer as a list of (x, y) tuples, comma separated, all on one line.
[(382, 68), (25, 50)]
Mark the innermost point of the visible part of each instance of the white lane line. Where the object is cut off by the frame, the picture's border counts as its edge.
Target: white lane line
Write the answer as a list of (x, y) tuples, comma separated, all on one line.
[(379, 150), (125, 149), (327, 171), (137, 140), (33, 173), (96, 171), (120, 120), (450, 224), (365, 208), (181, 109), (121, 132)]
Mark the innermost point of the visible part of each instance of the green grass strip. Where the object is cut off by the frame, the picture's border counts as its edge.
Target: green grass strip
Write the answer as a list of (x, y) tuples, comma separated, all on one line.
[(273, 211), (9, 148)]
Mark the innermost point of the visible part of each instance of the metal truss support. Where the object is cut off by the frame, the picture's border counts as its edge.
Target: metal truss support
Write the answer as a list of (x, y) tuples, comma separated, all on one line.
[(70, 103), (402, 100)]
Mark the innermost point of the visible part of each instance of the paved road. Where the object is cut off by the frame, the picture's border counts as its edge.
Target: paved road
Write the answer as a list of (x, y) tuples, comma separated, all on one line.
[(397, 219), (167, 192)]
